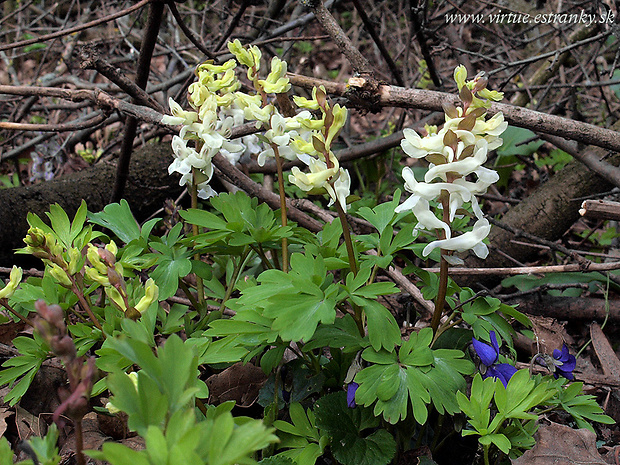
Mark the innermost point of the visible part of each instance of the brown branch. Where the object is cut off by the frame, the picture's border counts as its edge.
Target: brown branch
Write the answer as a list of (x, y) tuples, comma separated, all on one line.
[(156, 14), (600, 209), (380, 45), (416, 29), (358, 95), (92, 60), (98, 97), (187, 31), (588, 158), (73, 126), (552, 245), (233, 24), (71, 30), (511, 271), (324, 17), (401, 280)]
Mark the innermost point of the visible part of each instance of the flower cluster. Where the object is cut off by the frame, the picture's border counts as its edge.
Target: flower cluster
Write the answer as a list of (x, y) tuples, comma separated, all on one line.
[(489, 356), (315, 150), (456, 153), (218, 105), (107, 271)]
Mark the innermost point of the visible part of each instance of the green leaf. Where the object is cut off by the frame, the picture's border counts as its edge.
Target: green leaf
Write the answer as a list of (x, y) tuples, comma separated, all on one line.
[(514, 138), (203, 218), (119, 454), (347, 428), (46, 447), (501, 441), (382, 215), (117, 217), (343, 334), (383, 331), (25, 366), (145, 405)]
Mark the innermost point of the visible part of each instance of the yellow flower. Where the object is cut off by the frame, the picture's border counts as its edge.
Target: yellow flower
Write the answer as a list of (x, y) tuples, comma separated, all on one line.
[(276, 82), (150, 295), (14, 279)]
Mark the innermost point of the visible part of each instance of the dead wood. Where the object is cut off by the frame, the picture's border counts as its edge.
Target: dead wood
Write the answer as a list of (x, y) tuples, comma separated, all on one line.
[(568, 308), (149, 185)]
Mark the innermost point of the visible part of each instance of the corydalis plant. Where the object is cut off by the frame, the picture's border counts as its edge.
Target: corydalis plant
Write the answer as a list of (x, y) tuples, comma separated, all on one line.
[(455, 153)]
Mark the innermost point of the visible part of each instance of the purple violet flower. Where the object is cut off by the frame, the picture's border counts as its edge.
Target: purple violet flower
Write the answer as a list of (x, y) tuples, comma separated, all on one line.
[(351, 388), (489, 355), (564, 363)]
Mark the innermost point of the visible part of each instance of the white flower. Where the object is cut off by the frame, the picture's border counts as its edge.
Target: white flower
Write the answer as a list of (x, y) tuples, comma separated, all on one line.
[(340, 190), (280, 134), (179, 116), (471, 240), (316, 179), (418, 147)]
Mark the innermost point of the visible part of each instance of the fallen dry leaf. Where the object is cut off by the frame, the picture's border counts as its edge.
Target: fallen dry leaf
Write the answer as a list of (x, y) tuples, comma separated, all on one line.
[(549, 334), (239, 382), (605, 353), (558, 444)]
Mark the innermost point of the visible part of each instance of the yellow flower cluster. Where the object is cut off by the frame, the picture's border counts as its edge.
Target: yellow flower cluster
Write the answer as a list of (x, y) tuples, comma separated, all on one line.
[(218, 105)]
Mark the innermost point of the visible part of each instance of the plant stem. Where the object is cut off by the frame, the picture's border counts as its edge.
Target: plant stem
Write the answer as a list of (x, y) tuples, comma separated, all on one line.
[(346, 233), (443, 271), (234, 277), (5, 304), (282, 206), (199, 284), (189, 294), (79, 442), (486, 455), (84, 304)]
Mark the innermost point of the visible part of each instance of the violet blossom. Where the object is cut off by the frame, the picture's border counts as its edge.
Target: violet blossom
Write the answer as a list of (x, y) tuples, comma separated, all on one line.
[(489, 356)]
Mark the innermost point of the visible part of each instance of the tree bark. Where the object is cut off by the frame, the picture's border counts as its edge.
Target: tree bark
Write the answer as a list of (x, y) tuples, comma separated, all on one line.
[(149, 185)]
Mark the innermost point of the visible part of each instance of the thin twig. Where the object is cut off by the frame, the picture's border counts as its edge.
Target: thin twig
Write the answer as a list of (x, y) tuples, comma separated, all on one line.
[(187, 31), (380, 45), (71, 30), (156, 13), (509, 271), (324, 17)]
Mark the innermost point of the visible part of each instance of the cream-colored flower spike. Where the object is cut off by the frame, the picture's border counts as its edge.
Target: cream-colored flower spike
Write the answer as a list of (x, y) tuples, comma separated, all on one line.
[(455, 154)]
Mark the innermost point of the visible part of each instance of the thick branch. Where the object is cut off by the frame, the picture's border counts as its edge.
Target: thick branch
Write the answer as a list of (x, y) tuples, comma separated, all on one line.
[(392, 96)]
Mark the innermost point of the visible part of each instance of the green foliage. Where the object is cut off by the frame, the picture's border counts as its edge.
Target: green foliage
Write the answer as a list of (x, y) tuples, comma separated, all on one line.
[(218, 440), (312, 330), (582, 407), (415, 376), (303, 440), (46, 448), (167, 384), (513, 404), (33, 352), (347, 430)]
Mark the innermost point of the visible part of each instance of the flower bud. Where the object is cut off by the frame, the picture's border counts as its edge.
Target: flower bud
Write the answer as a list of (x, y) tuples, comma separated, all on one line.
[(51, 313), (64, 347), (95, 259), (59, 275), (15, 278), (76, 260), (150, 295)]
